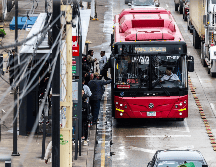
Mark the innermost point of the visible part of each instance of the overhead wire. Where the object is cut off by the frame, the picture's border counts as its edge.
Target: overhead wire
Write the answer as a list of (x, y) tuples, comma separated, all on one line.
[(40, 111), (46, 28), (41, 107)]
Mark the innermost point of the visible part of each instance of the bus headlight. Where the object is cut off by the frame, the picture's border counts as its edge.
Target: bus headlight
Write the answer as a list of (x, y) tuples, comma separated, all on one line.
[(176, 106), (125, 106), (180, 104), (121, 114), (180, 113), (185, 102)]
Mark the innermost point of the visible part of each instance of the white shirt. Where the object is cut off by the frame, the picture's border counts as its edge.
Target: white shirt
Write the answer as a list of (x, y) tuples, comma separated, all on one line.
[(48, 150), (102, 62), (87, 91), (172, 77)]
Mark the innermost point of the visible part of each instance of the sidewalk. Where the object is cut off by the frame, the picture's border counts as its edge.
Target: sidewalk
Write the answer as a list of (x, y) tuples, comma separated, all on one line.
[(32, 156)]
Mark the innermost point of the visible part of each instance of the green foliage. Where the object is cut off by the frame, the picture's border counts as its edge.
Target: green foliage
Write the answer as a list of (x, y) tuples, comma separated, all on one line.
[(2, 31)]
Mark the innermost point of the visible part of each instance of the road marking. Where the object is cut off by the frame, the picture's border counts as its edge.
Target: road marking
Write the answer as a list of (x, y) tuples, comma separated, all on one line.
[(213, 107), (167, 6), (148, 136), (183, 148), (103, 133), (142, 149), (186, 126)]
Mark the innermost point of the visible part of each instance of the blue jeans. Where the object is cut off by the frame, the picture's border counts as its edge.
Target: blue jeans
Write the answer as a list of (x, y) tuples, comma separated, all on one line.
[(95, 107)]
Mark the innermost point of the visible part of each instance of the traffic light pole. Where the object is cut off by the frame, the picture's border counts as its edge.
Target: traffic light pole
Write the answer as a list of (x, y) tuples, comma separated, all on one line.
[(56, 90), (15, 153)]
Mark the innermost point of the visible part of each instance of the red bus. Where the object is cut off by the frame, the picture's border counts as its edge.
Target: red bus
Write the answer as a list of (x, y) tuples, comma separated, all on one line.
[(150, 66)]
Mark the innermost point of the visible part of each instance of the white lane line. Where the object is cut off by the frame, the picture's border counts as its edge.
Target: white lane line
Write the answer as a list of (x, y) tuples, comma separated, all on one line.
[(167, 6), (146, 136), (213, 108), (183, 148), (186, 126), (142, 149)]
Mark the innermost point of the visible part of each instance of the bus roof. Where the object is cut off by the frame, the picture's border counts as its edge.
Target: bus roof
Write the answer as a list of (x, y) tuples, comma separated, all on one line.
[(155, 24)]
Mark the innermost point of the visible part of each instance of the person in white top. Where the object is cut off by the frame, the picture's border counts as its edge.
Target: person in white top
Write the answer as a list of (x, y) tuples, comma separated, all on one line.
[(48, 152), (103, 60), (169, 76)]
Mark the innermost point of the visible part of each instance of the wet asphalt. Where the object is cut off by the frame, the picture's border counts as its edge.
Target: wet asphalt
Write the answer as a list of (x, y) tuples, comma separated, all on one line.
[(136, 141)]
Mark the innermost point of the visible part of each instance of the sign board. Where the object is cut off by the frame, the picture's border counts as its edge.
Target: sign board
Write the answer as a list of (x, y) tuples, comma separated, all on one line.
[(75, 46)]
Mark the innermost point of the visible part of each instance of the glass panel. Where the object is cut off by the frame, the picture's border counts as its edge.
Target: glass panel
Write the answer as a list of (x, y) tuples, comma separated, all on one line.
[(143, 2), (213, 1), (177, 163), (167, 71), (162, 71)]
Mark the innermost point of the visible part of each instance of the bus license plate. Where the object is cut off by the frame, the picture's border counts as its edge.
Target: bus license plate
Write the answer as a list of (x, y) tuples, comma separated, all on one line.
[(152, 113)]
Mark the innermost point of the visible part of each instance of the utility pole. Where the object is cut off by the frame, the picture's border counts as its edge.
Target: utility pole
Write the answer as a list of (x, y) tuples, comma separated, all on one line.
[(56, 89), (15, 153), (66, 100)]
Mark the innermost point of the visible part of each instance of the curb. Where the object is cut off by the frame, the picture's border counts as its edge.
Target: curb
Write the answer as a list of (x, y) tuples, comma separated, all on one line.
[(91, 148), (202, 114)]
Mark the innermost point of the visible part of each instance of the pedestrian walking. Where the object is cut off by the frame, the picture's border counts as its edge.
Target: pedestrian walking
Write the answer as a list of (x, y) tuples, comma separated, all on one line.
[(91, 60), (96, 87), (48, 152), (102, 63)]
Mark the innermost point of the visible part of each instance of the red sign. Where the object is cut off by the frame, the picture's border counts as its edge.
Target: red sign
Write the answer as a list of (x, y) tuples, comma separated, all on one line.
[(75, 46)]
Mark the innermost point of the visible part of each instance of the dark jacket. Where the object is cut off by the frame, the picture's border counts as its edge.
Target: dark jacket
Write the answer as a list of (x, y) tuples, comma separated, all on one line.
[(97, 89)]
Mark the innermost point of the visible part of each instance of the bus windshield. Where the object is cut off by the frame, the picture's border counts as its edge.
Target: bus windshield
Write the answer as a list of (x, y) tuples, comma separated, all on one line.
[(143, 2), (151, 71)]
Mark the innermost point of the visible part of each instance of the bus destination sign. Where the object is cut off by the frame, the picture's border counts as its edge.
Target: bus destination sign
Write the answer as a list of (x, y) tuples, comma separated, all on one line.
[(149, 49)]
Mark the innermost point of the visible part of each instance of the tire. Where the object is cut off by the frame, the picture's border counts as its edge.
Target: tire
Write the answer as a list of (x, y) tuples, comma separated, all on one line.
[(9, 5), (181, 9), (126, 1), (191, 30), (179, 119), (188, 25), (196, 40), (185, 17), (203, 63), (213, 74), (202, 56), (176, 7)]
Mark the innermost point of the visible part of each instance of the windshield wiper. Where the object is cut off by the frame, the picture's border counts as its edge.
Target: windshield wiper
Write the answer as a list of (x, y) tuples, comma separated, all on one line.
[(158, 82)]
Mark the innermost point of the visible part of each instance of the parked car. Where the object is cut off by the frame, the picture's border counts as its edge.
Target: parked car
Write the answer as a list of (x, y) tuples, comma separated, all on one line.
[(143, 3), (186, 9), (175, 158)]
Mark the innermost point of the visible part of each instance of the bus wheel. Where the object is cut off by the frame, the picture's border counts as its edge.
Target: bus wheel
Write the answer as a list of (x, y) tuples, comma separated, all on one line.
[(179, 119), (213, 74)]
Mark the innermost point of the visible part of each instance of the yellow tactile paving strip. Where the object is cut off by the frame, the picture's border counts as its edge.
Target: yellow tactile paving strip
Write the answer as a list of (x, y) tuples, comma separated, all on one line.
[(202, 114)]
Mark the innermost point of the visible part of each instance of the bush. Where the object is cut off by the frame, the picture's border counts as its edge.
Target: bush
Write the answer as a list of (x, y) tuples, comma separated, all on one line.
[(2, 31)]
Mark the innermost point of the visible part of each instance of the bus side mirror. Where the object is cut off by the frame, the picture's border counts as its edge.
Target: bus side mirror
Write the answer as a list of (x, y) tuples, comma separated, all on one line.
[(157, 4), (190, 63), (129, 4)]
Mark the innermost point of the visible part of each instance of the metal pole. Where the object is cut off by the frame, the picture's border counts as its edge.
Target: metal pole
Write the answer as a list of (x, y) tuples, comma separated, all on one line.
[(56, 90), (15, 153), (0, 129), (44, 137), (7, 163), (46, 10)]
